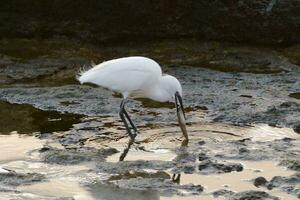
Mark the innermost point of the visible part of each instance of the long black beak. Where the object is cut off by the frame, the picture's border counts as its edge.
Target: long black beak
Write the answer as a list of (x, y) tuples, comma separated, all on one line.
[(179, 104), (181, 118)]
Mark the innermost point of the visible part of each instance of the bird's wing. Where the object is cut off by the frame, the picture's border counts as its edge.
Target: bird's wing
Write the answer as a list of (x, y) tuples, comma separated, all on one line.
[(123, 74)]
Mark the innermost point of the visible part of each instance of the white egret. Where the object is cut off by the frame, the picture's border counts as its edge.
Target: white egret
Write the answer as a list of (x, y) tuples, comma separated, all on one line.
[(136, 77)]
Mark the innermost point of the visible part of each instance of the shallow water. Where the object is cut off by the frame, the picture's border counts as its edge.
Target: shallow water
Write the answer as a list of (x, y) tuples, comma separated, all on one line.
[(27, 119), (241, 181), (295, 95), (19, 153)]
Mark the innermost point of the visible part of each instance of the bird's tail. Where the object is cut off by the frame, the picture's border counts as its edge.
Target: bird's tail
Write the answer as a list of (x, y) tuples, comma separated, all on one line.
[(83, 71)]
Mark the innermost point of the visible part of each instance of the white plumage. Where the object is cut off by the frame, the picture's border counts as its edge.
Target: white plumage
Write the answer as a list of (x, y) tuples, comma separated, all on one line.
[(123, 74)]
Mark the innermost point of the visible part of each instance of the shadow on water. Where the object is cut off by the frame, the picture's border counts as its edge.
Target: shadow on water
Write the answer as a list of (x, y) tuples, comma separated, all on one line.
[(295, 95), (27, 119), (109, 192)]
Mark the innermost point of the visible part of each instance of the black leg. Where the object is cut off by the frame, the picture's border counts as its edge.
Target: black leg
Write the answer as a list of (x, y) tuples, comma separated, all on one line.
[(122, 113), (130, 121)]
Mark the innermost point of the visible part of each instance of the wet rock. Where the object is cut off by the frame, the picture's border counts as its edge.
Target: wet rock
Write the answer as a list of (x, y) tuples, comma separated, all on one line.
[(184, 162), (277, 181), (251, 150), (246, 60), (164, 186), (201, 142), (222, 192), (243, 150), (259, 181), (75, 156), (202, 156), (15, 179), (6, 188), (212, 166), (297, 128), (228, 107), (105, 152), (59, 156), (289, 184), (185, 157), (253, 195), (139, 165), (275, 114), (293, 164), (134, 174)]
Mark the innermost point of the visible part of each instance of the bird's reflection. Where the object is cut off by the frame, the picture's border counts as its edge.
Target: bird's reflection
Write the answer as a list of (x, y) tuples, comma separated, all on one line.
[(126, 150), (132, 141), (176, 178)]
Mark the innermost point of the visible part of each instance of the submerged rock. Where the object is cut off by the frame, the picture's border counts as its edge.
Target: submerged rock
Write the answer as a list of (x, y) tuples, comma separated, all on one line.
[(252, 195), (256, 150), (289, 184), (75, 156), (212, 166), (164, 186), (222, 192), (139, 165), (293, 164), (137, 174), (15, 179)]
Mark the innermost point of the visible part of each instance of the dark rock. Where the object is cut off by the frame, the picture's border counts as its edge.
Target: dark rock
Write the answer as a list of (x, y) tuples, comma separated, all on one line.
[(201, 142), (15, 179), (293, 164), (202, 156), (209, 166), (288, 184), (164, 186), (241, 21), (76, 155), (253, 195), (59, 156), (105, 152), (185, 157), (139, 165), (243, 150), (260, 181), (278, 181), (136, 174), (297, 128), (222, 192)]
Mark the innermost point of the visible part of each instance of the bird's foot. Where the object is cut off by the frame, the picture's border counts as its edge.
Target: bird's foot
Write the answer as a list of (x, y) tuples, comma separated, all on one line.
[(185, 142)]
